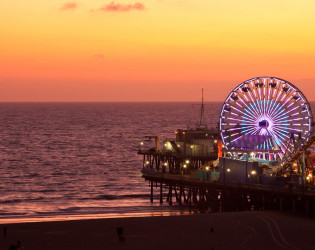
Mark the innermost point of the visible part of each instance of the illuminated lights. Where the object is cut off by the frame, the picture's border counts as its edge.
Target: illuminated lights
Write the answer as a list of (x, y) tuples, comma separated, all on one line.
[(187, 161), (141, 143), (207, 168), (228, 170), (282, 97), (265, 106), (253, 172), (184, 166), (292, 103)]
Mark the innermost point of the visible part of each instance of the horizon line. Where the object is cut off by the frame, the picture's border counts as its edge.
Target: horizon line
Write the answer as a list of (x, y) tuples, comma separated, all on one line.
[(105, 101)]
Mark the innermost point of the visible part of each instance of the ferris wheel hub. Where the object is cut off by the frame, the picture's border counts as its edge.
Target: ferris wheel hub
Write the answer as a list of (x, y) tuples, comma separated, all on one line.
[(263, 124)]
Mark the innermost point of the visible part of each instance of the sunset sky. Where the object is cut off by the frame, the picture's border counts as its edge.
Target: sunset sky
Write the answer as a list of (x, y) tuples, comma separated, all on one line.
[(151, 50)]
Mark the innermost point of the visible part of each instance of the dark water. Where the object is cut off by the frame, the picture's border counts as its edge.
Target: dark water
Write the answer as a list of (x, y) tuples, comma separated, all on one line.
[(80, 159)]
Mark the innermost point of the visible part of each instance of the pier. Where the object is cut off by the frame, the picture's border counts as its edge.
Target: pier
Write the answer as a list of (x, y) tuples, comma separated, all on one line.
[(259, 157), (227, 197)]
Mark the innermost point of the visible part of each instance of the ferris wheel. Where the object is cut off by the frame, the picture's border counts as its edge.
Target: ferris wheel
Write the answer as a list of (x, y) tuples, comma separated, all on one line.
[(268, 108)]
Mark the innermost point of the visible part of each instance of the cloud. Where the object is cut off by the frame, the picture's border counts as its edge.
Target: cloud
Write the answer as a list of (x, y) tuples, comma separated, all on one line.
[(69, 6), (99, 56), (117, 7)]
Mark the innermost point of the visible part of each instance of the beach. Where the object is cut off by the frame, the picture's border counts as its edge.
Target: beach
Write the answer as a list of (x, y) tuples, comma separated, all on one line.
[(238, 230)]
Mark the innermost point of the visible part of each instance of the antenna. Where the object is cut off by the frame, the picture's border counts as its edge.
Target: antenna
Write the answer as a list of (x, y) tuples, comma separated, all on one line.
[(202, 115)]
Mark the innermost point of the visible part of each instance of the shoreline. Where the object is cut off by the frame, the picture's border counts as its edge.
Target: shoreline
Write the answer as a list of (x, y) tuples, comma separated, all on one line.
[(234, 230), (100, 216)]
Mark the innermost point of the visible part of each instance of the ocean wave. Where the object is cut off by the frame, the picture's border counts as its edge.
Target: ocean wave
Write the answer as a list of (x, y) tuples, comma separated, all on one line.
[(12, 214), (70, 209), (21, 200), (105, 197), (118, 197)]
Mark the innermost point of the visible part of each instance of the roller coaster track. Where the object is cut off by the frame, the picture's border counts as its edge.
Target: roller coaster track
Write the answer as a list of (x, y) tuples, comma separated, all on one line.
[(302, 147)]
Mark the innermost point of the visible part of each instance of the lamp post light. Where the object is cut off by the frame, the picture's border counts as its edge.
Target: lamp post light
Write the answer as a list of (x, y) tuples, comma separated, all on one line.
[(164, 165), (184, 169), (192, 150), (140, 146), (254, 174)]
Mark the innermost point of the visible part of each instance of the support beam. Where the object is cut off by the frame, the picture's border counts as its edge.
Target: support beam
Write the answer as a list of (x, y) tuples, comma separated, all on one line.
[(161, 193), (170, 196), (151, 191)]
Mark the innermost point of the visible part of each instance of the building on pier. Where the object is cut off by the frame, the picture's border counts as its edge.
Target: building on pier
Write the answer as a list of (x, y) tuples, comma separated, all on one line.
[(190, 149)]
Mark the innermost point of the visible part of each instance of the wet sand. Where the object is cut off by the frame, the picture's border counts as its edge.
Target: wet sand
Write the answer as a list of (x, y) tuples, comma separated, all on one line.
[(238, 230)]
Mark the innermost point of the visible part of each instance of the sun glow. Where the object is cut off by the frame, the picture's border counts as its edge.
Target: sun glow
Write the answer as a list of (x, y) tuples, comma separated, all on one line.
[(117, 51)]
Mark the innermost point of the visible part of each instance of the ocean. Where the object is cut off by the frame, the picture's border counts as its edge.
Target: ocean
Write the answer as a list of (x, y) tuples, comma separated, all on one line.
[(61, 161)]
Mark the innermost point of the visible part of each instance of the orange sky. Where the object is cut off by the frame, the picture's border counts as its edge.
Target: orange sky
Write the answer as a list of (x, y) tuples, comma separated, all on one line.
[(151, 50)]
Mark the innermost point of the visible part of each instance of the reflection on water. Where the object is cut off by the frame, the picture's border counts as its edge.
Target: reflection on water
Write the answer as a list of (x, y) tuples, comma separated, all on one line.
[(79, 159), (96, 216)]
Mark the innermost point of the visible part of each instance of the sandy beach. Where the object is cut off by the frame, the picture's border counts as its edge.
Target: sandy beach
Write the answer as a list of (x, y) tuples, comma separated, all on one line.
[(239, 230)]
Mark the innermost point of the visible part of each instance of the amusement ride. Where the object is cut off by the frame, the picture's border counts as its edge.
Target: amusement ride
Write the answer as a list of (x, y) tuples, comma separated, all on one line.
[(268, 118)]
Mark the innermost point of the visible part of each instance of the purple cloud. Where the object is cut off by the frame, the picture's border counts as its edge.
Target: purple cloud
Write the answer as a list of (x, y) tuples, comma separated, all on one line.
[(117, 7)]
